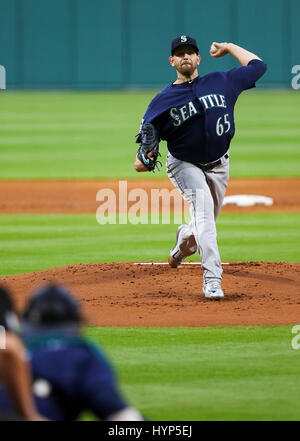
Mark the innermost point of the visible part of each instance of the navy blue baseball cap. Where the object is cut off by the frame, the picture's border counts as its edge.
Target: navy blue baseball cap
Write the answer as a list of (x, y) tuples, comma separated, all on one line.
[(182, 41), (51, 305)]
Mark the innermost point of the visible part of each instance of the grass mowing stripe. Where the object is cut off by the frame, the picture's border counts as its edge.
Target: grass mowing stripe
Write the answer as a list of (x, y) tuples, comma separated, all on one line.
[(35, 242), (81, 135), (218, 373)]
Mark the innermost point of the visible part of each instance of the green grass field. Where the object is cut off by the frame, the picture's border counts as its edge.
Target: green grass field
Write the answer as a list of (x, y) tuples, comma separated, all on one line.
[(237, 373), (220, 373), (36, 242), (92, 135)]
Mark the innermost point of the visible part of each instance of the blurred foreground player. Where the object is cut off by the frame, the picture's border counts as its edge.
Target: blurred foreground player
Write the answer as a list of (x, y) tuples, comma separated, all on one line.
[(15, 375), (70, 374)]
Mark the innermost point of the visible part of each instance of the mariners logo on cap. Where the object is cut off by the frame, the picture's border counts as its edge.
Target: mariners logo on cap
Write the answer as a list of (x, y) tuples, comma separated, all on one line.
[(183, 38)]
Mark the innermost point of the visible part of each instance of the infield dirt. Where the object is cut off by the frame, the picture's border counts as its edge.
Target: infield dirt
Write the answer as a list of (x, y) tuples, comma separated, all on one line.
[(79, 196), (126, 294)]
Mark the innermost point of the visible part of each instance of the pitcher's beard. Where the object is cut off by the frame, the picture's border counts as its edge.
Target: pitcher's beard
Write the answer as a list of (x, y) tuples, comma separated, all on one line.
[(187, 70)]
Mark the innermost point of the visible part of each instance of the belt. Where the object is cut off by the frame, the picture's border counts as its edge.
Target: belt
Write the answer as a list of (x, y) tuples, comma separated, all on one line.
[(211, 165)]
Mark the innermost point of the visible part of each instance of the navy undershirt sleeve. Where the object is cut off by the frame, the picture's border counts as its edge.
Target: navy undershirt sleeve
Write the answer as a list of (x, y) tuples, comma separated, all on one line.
[(99, 388), (244, 77)]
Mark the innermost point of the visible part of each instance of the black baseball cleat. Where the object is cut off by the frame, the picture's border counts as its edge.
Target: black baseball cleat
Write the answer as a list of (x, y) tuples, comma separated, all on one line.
[(175, 259), (176, 256)]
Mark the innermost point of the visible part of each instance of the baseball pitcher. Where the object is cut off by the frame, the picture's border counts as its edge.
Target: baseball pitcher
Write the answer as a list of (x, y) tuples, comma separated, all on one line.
[(194, 115)]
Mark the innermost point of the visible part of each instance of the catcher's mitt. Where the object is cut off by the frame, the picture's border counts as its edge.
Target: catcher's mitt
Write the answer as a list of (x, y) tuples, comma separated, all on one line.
[(149, 143)]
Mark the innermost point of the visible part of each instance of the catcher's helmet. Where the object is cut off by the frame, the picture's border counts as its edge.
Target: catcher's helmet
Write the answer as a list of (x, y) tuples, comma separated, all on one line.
[(52, 305)]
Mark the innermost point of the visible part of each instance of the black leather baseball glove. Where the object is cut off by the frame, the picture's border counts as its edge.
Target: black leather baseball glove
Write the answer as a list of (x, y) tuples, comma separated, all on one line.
[(149, 143)]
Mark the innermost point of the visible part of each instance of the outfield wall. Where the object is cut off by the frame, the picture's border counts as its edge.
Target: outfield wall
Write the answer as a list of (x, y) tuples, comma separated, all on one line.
[(125, 43)]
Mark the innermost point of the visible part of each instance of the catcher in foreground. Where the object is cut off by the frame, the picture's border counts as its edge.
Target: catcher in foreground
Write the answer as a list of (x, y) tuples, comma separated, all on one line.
[(195, 116)]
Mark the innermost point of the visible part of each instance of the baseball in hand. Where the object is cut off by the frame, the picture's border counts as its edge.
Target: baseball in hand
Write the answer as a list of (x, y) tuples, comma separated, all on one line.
[(213, 48)]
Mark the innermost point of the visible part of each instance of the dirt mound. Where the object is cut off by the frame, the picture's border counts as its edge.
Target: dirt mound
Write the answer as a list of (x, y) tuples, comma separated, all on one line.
[(128, 294)]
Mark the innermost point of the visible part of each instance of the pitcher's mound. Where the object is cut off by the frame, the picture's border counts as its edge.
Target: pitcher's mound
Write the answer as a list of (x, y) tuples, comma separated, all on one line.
[(126, 294)]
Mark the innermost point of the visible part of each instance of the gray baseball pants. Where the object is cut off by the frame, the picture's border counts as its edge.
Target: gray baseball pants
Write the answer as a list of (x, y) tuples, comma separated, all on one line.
[(205, 191)]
